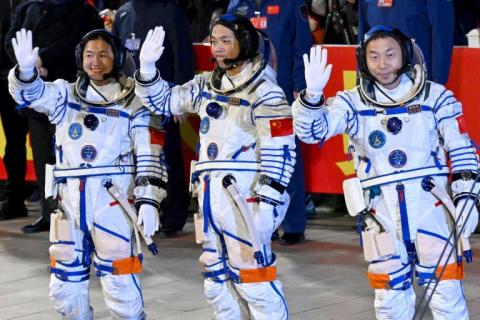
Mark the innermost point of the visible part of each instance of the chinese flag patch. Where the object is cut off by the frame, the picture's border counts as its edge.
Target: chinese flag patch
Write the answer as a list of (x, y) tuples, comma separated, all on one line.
[(157, 136), (281, 127), (462, 126), (273, 9)]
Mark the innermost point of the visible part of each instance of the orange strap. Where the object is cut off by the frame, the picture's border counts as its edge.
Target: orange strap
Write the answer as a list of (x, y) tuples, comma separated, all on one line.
[(53, 263), (379, 281), (258, 275), (453, 271), (127, 266)]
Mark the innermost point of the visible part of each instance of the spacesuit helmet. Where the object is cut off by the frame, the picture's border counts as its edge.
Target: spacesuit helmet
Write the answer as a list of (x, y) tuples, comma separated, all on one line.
[(413, 63), (119, 51), (380, 31), (245, 33)]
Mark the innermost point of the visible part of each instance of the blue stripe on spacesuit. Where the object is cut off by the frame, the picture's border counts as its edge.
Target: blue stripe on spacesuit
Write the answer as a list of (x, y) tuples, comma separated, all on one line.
[(449, 117), (75, 263), (138, 287), (274, 116), (354, 118), (98, 110), (231, 235), (464, 159), (64, 275), (470, 147), (111, 232), (221, 98), (403, 213), (403, 171), (462, 154), (436, 235), (280, 295), (258, 103), (438, 105), (87, 241)]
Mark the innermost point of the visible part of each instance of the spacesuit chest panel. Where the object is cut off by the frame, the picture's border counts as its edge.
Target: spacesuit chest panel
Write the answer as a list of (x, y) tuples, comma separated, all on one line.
[(227, 131), (93, 138), (396, 141)]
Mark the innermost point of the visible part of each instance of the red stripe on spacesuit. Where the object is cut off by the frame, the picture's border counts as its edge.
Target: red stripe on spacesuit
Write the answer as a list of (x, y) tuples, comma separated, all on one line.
[(462, 125), (115, 203), (438, 203), (281, 127), (157, 136)]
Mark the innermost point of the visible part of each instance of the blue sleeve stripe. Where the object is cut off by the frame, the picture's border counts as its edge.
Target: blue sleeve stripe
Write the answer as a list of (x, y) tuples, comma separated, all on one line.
[(449, 117)]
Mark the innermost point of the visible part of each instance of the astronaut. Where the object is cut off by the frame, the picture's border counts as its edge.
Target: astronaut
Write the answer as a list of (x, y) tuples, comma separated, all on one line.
[(103, 133), (246, 158), (402, 130)]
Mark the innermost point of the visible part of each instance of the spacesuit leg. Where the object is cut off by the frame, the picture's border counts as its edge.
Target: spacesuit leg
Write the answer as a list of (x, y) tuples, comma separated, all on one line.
[(391, 275), (448, 301), (256, 284), (115, 262), (69, 280), (214, 260)]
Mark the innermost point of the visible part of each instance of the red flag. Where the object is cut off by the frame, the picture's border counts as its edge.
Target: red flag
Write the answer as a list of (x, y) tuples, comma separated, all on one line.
[(157, 136), (281, 127)]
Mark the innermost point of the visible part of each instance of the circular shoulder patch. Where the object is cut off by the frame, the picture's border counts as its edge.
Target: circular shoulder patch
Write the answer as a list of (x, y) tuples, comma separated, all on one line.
[(376, 139), (204, 125), (75, 131), (88, 153), (212, 151), (397, 158)]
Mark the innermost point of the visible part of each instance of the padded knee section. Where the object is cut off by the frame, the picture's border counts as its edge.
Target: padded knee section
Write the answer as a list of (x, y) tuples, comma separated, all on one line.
[(70, 299), (265, 300), (394, 304), (448, 301), (122, 296), (221, 299)]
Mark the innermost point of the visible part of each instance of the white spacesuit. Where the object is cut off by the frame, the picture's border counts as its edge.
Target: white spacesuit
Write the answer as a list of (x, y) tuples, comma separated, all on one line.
[(401, 138), (102, 133), (246, 158)]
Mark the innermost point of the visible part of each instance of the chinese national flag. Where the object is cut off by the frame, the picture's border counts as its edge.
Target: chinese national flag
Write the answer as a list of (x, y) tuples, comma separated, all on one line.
[(157, 136), (281, 127), (462, 126)]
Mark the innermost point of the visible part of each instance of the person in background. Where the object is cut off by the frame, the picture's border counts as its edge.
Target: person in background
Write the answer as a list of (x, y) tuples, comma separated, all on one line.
[(57, 27), (431, 23), (15, 128)]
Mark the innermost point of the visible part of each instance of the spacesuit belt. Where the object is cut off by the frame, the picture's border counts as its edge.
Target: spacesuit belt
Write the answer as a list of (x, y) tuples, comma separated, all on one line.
[(383, 281), (93, 171), (404, 175), (453, 271), (122, 266), (266, 274)]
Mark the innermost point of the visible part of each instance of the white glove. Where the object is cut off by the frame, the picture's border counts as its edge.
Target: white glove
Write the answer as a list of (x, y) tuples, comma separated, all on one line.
[(316, 74), (151, 51), (148, 215), (26, 57), (470, 224)]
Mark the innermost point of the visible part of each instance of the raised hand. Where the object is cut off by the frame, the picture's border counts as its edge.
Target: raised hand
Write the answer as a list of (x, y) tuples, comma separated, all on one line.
[(151, 51), (317, 72), (22, 47)]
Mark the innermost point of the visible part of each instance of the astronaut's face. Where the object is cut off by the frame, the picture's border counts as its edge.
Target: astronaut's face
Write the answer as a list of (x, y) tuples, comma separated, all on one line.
[(224, 46), (98, 61), (384, 59)]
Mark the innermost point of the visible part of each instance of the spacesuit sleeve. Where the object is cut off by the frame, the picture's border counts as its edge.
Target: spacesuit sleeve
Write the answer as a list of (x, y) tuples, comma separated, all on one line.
[(50, 98), (273, 118), (148, 140), (162, 99), (316, 123), (451, 124)]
